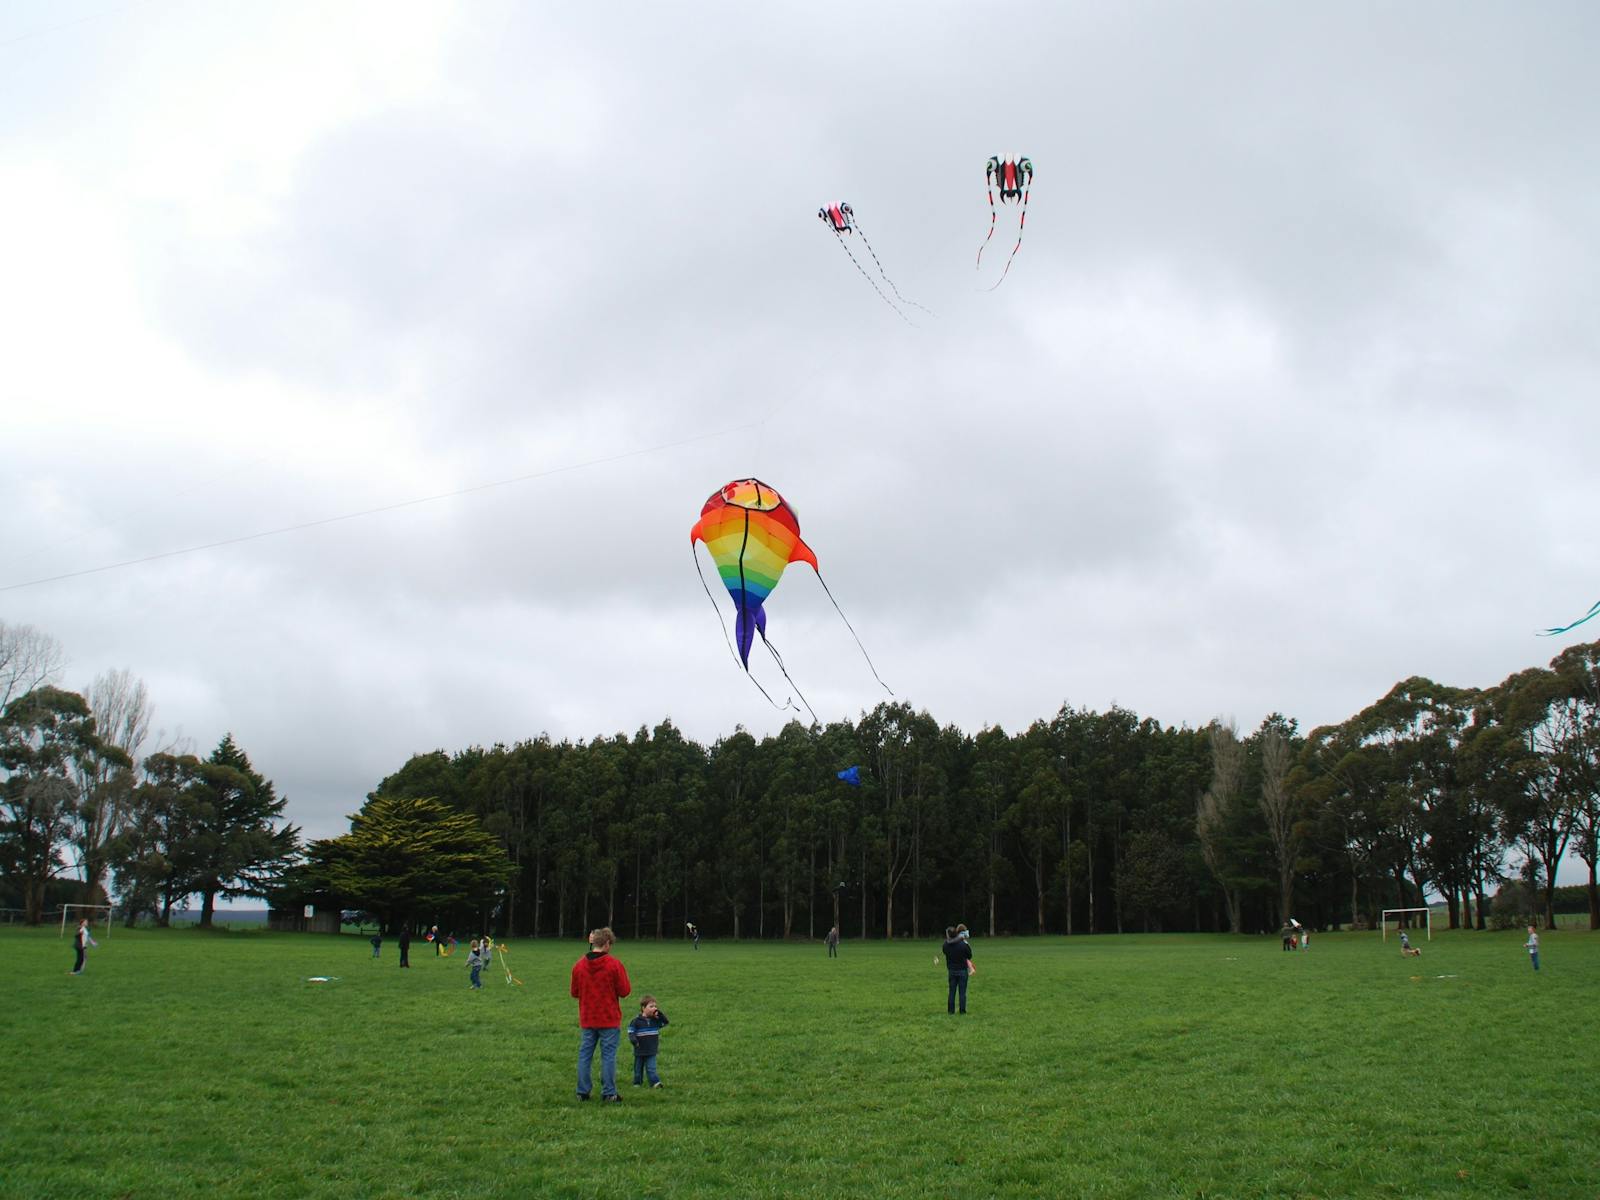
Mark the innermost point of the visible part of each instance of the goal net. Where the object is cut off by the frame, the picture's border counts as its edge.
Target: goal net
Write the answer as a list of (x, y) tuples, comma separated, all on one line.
[(82, 911), (1396, 913)]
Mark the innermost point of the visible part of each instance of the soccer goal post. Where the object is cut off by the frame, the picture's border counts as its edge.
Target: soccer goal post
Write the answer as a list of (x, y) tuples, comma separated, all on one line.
[(1426, 912), (89, 910)]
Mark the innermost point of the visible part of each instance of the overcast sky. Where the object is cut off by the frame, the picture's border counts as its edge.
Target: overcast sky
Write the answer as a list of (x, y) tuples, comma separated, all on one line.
[(1290, 393)]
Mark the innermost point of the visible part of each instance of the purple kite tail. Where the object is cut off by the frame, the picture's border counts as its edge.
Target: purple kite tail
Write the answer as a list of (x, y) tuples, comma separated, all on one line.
[(752, 619)]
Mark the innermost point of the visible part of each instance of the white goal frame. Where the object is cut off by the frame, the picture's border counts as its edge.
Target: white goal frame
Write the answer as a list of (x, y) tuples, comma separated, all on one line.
[(66, 910), (1428, 912)]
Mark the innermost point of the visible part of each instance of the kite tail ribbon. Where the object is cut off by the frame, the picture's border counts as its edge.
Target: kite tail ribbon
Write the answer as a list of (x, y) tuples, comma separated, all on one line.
[(885, 274), (510, 978), (984, 244), (845, 247), (1575, 624), (1022, 223)]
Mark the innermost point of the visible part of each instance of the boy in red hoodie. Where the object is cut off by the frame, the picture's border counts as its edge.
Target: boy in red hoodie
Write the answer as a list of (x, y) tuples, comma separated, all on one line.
[(598, 982)]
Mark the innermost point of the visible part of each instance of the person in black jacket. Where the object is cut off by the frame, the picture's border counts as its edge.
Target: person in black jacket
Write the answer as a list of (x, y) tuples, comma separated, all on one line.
[(405, 947), (958, 966)]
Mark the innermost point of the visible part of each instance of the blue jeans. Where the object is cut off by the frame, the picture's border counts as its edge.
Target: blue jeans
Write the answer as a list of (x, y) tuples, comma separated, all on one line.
[(607, 1040), (1535, 956), (643, 1066), (476, 967), (958, 983)]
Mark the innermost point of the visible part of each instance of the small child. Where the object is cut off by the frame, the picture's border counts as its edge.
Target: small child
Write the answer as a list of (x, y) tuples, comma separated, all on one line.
[(475, 959), (377, 943), (1532, 946), (1407, 948), (644, 1032)]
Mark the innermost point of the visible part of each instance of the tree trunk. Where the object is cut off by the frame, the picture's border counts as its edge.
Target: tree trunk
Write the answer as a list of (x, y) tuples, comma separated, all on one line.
[(1594, 898), (1038, 889), (863, 888)]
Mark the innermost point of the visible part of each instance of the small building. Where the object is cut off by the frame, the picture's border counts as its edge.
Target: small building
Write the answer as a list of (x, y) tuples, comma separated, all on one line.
[(310, 919)]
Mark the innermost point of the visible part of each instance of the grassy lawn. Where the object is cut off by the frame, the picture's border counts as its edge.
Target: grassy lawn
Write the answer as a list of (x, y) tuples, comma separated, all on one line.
[(192, 1064)]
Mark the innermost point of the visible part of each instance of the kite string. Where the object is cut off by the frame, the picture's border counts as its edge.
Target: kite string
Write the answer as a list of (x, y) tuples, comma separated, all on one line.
[(383, 508), (885, 274), (843, 246), (853, 634)]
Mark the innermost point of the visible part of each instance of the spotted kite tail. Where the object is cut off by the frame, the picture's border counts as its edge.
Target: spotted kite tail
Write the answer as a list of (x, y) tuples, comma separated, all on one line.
[(853, 634), (885, 274), (983, 244), (1575, 624), (843, 246), (1022, 222)]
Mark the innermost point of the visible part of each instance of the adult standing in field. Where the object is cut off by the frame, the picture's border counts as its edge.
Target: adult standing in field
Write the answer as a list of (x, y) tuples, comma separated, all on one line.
[(83, 939), (438, 946), (599, 981), (377, 943), (405, 946), (1532, 946), (832, 941), (957, 968)]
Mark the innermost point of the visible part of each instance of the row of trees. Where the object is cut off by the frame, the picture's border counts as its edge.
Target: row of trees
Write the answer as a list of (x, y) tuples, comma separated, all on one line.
[(1082, 823), (77, 794)]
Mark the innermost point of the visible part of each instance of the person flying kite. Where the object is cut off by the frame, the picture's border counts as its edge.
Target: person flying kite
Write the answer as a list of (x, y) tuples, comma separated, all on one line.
[(752, 534), (1012, 178), (840, 219)]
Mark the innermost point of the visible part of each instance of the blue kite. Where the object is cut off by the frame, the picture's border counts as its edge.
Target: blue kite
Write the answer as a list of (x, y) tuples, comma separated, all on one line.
[(851, 775)]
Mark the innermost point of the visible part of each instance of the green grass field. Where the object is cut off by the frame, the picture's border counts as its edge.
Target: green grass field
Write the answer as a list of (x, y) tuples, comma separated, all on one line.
[(187, 1064)]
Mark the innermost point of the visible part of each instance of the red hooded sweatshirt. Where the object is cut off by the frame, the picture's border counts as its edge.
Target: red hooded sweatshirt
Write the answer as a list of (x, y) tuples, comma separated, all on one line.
[(599, 981)]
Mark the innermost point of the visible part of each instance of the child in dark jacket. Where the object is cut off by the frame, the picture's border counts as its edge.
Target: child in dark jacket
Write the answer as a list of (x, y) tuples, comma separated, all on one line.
[(644, 1031)]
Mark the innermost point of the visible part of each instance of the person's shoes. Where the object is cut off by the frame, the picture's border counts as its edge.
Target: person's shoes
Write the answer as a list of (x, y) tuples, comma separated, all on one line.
[(655, 1085), (583, 1095), (611, 1099), (635, 1083)]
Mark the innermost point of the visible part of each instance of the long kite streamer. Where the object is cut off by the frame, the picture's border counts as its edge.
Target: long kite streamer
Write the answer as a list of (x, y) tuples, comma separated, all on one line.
[(510, 978), (1575, 624), (840, 218)]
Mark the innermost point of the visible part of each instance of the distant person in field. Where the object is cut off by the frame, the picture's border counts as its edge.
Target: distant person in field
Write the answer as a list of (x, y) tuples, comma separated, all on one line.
[(377, 943), (83, 939), (957, 967), (405, 946), (644, 1033), (694, 934), (1532, 946), (438, 945), (1407, 948), (1305, 939), (477, 953), (598, 981), (832, 941)]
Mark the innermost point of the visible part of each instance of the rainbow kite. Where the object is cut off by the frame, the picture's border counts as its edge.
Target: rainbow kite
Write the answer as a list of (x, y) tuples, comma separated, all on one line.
[(752, 535)]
